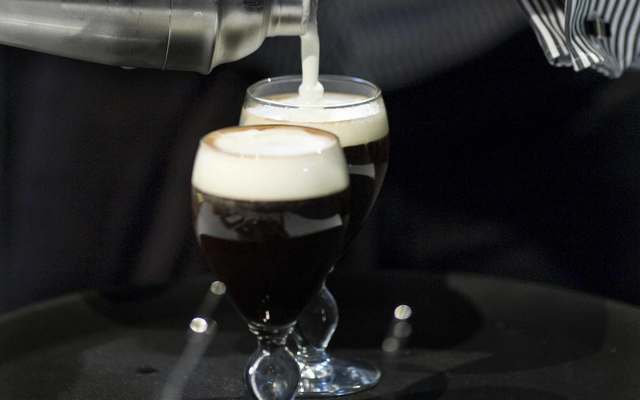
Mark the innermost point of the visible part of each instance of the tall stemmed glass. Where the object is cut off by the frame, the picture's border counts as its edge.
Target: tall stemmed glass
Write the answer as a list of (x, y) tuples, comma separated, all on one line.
[(270, 210), (352, 109)]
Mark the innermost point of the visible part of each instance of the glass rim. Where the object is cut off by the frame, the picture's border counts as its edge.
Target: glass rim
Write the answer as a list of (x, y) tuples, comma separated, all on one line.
[(377, 92), (241, 128)]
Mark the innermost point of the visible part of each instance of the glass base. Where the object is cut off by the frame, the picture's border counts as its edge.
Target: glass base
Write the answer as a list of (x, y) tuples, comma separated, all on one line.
[(335, 377)]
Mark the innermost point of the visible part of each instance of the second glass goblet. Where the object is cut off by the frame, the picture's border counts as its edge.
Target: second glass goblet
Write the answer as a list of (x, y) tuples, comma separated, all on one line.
[(353, 110), (270, 210)]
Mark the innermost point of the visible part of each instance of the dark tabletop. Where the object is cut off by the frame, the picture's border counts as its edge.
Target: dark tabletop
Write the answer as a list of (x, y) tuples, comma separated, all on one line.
[(471, 337)]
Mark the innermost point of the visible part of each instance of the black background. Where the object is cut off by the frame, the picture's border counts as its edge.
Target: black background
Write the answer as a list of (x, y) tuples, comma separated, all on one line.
[(500, 163)]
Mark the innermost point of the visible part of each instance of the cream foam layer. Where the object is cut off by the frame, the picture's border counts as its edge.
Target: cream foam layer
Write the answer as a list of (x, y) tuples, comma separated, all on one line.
[(269, 164), (354, 125)]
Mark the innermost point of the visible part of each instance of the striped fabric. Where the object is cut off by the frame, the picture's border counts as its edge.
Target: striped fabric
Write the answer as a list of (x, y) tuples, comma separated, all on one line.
[(598, 34)]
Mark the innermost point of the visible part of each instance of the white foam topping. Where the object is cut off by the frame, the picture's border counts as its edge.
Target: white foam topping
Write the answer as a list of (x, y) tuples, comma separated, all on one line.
[(269, 164), (273, 142), (356, 122)]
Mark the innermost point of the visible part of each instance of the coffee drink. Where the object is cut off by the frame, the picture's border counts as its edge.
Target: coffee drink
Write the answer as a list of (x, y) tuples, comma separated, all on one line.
[(270, 208)]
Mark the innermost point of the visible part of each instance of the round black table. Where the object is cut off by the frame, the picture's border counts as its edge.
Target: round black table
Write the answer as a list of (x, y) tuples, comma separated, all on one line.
[(471, 337)]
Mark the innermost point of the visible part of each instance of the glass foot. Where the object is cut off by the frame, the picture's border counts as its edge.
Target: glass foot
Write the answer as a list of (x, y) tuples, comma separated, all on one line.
[(335, 377)]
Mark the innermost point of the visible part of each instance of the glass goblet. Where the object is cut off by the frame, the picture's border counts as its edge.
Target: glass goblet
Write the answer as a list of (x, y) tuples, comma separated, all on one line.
[(354, 110), (270, 210)]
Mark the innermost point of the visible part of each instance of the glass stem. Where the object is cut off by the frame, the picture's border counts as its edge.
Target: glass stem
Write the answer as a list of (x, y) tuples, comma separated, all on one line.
[(272, 372), (313, 333), (269, 337)]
